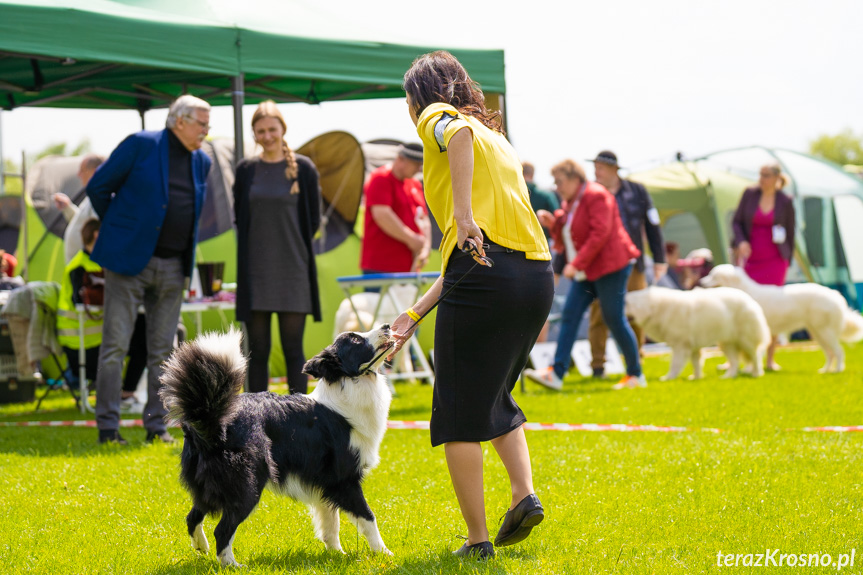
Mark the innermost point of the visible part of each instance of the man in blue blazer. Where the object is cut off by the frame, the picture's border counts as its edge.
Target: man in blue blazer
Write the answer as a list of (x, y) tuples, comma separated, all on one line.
[(148, 195)]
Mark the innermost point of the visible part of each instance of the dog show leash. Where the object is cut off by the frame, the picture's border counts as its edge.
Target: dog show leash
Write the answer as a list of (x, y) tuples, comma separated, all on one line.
[(468, 247)]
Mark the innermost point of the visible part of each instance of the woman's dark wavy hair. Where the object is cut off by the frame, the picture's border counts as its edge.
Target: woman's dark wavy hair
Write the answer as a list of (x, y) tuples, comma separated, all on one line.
[(440, 77)]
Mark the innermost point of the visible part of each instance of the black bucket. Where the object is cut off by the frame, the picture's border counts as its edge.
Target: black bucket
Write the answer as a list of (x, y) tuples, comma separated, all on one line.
[(211, 277)]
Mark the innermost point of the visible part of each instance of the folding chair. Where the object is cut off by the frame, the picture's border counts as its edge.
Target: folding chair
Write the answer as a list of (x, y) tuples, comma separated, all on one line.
[(31, 315), (58, 383)]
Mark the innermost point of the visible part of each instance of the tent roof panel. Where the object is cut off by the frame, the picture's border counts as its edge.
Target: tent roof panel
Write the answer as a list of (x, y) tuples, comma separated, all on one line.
[(55, 52), (104, 31)]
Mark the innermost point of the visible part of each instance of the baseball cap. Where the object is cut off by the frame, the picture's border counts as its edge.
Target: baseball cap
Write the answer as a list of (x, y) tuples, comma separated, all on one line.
[(412, 152)]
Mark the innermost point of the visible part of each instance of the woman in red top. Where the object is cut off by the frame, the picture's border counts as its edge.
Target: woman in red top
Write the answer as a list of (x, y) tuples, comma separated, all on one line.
[(763, 228), (599, 255)]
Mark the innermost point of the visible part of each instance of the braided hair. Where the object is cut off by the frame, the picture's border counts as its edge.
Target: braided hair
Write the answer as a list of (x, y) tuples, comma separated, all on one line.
[(268, 109)]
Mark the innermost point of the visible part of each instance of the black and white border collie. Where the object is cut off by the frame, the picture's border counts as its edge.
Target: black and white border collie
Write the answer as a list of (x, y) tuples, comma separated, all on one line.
[(315, 448)]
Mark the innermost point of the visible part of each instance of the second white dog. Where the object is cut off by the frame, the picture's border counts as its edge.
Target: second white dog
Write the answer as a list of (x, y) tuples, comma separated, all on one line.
[(690, 320), (822, 311)]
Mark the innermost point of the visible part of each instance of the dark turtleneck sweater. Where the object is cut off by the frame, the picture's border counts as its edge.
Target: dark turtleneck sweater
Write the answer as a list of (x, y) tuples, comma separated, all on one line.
[(175, 236)]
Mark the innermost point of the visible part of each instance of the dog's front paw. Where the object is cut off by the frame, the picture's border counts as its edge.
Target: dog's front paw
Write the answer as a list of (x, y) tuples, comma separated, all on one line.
[(227, 560), (379, 547), (199, 541)]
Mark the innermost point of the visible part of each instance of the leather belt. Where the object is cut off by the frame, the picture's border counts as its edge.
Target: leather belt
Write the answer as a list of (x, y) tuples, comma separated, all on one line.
[(496, 249)]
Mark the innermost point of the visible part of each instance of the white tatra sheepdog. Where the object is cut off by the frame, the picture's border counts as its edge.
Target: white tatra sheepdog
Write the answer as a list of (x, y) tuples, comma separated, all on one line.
[(690, 320), (823, 312)]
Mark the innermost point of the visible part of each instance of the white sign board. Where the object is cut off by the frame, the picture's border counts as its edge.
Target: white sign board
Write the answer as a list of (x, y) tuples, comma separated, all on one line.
[(542, 356)]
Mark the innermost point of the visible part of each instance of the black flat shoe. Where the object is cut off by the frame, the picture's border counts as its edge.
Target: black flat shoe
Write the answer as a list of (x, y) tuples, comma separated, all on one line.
[(111, 436), (482, 550), (519, 520), (164, 436)]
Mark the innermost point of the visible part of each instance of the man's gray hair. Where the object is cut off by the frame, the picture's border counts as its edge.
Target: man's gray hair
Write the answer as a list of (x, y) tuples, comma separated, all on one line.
[(183, 108)]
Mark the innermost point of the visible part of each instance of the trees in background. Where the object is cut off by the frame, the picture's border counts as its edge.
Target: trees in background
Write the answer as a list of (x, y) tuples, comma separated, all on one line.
[(843, 148)]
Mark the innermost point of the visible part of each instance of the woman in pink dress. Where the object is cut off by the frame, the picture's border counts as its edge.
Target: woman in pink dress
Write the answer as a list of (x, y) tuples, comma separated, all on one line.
[(764, 233)]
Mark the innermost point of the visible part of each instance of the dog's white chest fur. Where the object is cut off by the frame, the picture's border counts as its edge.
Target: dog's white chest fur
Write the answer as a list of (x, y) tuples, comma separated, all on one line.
[(365, 403)]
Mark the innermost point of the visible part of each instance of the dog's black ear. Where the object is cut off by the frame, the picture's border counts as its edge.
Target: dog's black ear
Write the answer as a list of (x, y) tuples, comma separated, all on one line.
[(325, 366), (313, 367)]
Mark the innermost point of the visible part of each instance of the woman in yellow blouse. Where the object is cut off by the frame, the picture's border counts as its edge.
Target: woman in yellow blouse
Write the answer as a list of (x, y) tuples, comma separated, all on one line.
[(485, 327)]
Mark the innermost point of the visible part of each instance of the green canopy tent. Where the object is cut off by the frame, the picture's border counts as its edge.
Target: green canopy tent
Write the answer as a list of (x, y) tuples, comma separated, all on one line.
[(141, 54), (696, 201)]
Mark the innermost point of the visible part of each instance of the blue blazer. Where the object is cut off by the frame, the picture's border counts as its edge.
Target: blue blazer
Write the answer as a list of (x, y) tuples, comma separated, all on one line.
[(129, 191)]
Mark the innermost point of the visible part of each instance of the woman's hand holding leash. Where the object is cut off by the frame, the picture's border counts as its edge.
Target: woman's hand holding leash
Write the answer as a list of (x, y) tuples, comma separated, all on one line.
[(405, 324), (468, 230), (477, 252), (401, 330)]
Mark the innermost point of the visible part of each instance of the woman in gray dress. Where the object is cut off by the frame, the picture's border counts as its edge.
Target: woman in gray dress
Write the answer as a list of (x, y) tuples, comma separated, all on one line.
[(277, 209)]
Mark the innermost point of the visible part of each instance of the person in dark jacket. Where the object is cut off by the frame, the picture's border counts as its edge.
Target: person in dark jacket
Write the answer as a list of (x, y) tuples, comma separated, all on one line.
[(763, 228), (277, 207), (148, 194), (640, 219)]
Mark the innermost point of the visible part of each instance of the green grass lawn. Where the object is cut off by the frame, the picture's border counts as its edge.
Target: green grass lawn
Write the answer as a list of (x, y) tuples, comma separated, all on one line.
[(639, 502)]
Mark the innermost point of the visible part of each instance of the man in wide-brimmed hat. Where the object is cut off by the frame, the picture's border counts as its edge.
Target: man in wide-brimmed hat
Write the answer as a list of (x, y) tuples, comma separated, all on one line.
[(640, 219)]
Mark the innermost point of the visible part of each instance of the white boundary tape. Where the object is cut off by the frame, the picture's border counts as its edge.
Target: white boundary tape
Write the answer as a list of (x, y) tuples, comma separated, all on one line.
[(624, 427), (611, 427), (836, 428), (406, 425)]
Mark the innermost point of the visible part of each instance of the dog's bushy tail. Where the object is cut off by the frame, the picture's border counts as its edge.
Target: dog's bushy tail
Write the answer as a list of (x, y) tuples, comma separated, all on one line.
[(852, 328), (200, 383)]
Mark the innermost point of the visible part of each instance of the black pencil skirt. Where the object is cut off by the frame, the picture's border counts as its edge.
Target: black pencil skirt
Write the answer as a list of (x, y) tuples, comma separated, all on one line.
[(484, 331)]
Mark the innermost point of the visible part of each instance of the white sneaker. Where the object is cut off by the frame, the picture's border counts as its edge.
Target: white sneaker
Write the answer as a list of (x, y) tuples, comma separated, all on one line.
[(631, 382), (131, 405), (545, 377)]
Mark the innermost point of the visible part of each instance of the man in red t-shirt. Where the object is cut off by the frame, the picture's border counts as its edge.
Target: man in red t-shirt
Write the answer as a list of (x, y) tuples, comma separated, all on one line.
[(397, 235)]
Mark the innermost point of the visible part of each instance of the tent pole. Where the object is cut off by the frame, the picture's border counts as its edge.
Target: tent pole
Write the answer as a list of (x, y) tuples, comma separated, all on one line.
[(24, 226), (237, 98)]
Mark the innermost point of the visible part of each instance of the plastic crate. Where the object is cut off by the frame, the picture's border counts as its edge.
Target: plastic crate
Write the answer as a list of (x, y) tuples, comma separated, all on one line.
[(8, 366), (14, 389)]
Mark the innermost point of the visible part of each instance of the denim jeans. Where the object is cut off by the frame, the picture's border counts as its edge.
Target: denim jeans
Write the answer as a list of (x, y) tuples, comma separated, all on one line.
[(610, 289), (159, 288)]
